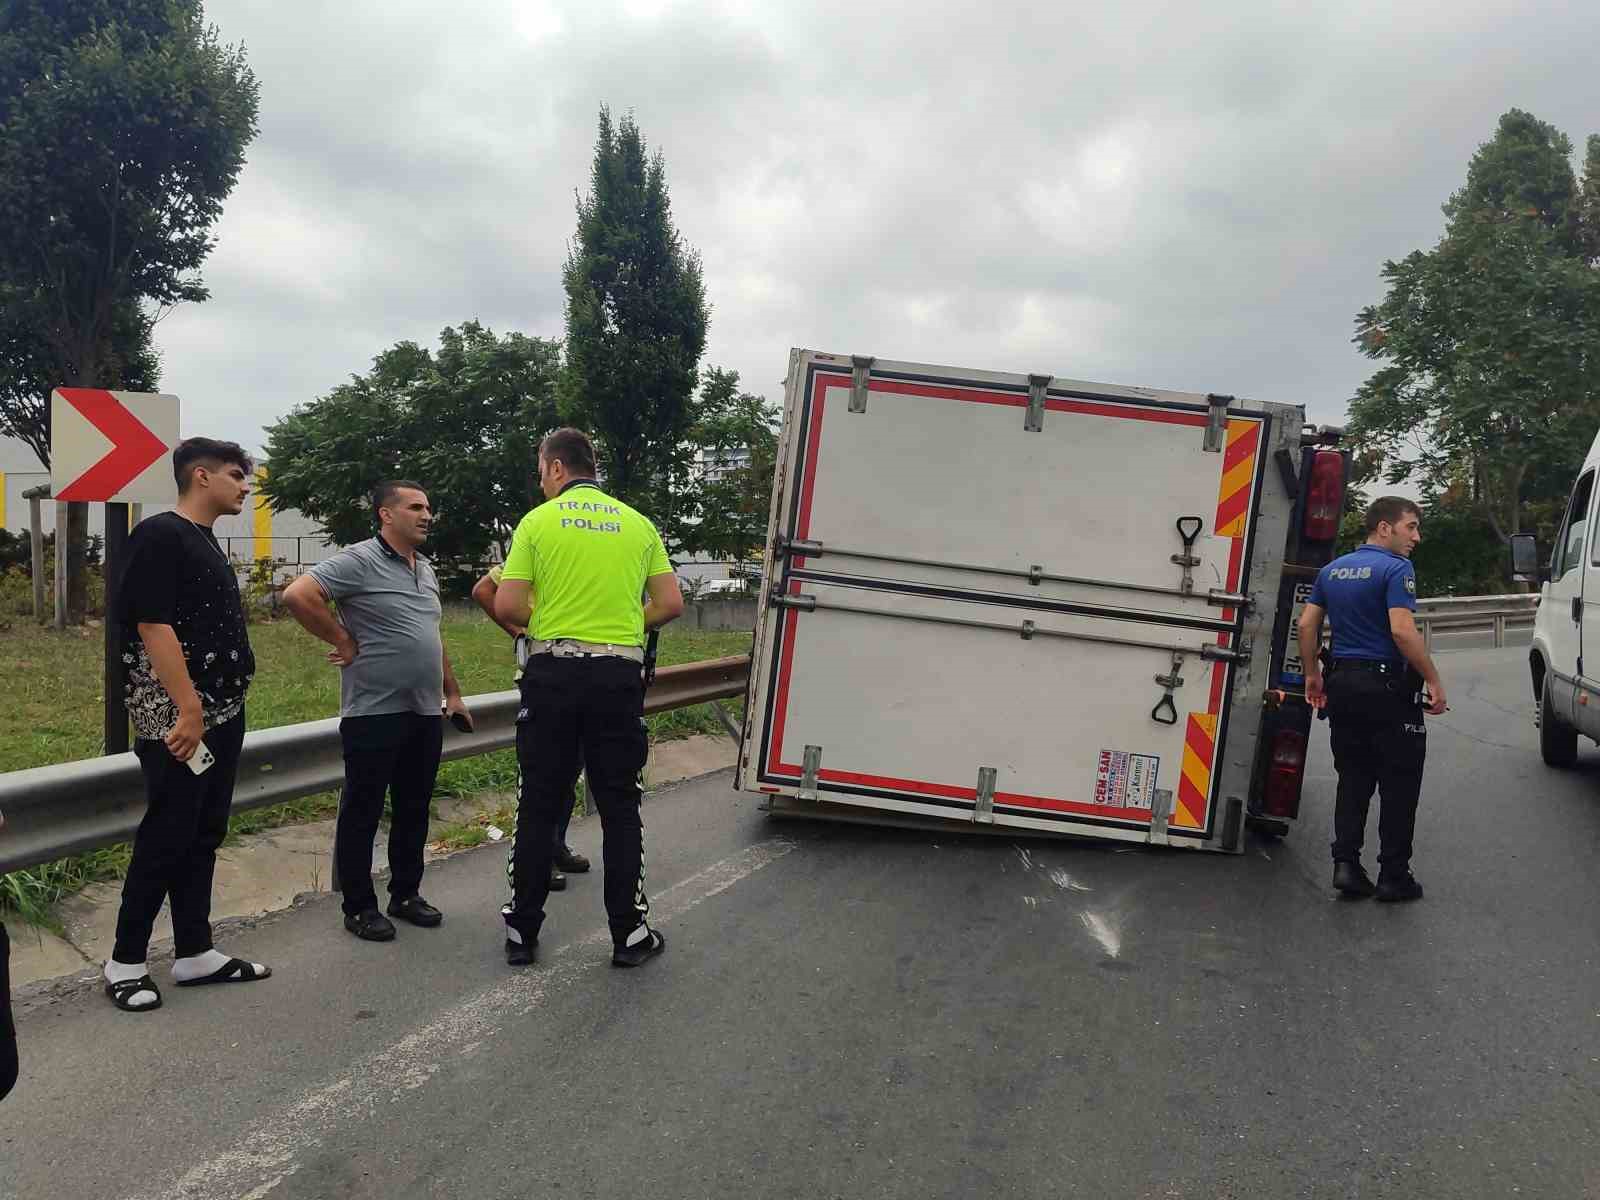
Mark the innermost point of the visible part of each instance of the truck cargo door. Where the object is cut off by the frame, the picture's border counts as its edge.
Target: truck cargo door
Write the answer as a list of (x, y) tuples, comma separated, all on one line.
[(1022, 604)]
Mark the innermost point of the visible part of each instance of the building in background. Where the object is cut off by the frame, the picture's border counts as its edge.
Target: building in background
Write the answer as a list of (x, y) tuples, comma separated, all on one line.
[(716, 465)]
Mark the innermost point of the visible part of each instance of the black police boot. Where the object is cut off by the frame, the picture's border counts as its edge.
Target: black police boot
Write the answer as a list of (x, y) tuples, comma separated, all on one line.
[(569, 859), (1402, 885), (1351, 879)]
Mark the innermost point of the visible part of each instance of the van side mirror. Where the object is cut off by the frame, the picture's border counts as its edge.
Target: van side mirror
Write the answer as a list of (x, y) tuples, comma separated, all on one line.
[(1525, 564)]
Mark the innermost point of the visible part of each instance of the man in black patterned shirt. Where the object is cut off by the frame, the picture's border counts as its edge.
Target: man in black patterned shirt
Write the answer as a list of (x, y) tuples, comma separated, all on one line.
[(189, 663)]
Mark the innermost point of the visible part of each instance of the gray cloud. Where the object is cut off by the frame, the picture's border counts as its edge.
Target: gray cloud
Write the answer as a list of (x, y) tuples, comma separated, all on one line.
[(1194, 197)]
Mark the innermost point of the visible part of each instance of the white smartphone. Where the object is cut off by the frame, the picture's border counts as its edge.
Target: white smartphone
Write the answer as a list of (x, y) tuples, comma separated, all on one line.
[(201, 760)]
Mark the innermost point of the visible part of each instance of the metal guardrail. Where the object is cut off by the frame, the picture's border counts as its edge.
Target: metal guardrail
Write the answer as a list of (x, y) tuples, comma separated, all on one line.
[(67, 808), (1476, 614)]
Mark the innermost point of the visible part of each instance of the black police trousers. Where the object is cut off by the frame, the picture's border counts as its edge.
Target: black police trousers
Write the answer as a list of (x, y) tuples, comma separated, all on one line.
[(588, 711), (1379, 742)]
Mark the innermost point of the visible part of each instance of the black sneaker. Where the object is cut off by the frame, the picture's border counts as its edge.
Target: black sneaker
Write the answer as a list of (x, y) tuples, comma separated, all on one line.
[(639, 952), (416, 910), (558, 881), (1399, 887), (569, 859), (1351, 878), (370, 926), (521, 954)]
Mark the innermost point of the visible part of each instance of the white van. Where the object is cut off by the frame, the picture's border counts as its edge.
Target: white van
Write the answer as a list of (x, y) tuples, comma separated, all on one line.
[(1566, 696)]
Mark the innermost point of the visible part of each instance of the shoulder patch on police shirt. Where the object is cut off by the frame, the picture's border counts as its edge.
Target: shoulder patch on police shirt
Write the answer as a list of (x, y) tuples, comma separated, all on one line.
[(1411, 584)]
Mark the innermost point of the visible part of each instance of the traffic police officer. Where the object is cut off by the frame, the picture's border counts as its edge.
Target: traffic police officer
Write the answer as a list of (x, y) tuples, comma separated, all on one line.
[(1374, 695), (566, 858), (587, 559)]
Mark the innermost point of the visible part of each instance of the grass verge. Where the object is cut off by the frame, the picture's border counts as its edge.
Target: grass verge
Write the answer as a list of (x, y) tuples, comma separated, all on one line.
[(53, 714)]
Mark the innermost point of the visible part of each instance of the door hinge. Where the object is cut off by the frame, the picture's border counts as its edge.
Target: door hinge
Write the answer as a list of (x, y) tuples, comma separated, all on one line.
[(810, 766), (1217, 423), (860, 381), (983, 809), (1160, 812), (1038, 385)]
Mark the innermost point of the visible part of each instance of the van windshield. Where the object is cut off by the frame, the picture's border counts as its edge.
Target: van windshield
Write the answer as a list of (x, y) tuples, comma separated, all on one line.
[(1577, 525)]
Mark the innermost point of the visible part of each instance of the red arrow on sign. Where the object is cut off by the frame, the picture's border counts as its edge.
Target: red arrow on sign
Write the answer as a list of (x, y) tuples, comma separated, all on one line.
[(133, 446)]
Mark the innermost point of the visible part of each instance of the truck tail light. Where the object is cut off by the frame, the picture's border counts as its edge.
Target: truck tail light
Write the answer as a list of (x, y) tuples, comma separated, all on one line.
[(1286, 772), (1324, 496)]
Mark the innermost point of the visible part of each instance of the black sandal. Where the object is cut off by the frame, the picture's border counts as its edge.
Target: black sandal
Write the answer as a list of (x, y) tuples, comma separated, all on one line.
[(235, 970), (124, 990)]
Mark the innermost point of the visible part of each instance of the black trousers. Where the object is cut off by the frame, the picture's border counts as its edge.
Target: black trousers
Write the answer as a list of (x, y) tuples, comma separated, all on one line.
[(175, 850), (397, 753), (562, 822), (1379, 743), (8, 1027), (587, 711)]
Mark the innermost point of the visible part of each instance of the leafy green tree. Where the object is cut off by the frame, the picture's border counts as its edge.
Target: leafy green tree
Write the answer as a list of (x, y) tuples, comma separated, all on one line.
[(464, 422), (636, 328), (733, 508), (1460, 554), (29, 370), (1491, 382), (1589, 200), (125, 125)]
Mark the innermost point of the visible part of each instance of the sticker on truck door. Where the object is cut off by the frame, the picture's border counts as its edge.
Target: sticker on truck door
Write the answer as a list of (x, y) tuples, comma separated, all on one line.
[(1126, 780), (1293, 673)]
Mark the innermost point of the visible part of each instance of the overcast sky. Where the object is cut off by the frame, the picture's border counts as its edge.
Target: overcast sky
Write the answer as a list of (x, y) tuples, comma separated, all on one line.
[(1193, 196)]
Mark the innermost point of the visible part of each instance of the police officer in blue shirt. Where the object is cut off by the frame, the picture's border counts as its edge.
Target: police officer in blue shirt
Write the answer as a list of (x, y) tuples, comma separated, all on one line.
[(1377, 687)]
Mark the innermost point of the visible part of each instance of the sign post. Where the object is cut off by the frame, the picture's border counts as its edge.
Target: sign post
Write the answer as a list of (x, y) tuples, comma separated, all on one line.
[(61, 566), (115, 448), (116, 671)]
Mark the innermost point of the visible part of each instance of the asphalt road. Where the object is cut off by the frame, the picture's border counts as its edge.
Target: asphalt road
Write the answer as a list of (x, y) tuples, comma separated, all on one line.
[(849, 1012)]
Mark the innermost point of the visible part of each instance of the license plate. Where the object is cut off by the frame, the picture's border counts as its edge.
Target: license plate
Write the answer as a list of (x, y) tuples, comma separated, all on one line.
[(1293, 672)]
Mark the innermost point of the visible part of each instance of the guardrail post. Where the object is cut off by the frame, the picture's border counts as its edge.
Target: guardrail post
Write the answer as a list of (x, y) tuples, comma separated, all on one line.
[(1499, 630), (36, 551), (1427, 636)]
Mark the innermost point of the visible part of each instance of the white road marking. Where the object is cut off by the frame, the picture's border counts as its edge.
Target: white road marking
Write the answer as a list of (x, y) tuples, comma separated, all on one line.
[(1103, 932), (266, 1154), (1066, 882)]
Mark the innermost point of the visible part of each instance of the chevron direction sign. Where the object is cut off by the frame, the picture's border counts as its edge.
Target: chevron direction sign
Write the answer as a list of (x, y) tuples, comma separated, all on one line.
[(112, 446)]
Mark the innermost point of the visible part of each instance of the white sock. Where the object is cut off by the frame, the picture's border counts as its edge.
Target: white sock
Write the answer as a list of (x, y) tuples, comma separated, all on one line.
[(119, 972), (640, 934), (198, 966)]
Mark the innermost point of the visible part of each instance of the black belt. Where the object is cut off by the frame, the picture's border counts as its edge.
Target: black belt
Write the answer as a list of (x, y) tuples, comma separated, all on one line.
[(1375, 665)]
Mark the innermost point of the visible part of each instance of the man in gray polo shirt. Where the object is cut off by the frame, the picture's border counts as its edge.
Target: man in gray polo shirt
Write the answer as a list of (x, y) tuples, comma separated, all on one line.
[(395, 683)]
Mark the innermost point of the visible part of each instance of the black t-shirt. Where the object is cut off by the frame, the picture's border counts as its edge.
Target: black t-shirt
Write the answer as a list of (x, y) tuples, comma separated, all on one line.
[(178, 575)]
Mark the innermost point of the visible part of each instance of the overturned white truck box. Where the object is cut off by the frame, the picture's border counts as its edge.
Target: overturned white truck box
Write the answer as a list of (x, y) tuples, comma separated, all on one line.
[(1018, 602)]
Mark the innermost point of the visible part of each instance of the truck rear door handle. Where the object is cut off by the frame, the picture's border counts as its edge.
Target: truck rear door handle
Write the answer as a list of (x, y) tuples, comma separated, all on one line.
[(1577, 608)]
